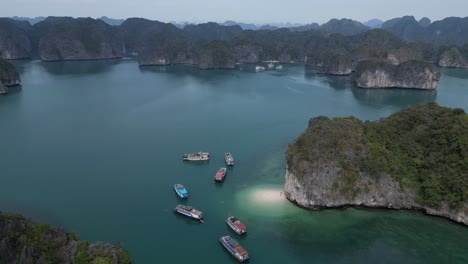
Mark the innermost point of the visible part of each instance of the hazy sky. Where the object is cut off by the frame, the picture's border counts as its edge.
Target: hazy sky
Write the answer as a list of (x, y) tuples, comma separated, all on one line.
[(252, 11)]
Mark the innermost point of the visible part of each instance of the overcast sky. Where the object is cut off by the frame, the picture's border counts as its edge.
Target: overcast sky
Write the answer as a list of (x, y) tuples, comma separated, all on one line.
[(252, 11)]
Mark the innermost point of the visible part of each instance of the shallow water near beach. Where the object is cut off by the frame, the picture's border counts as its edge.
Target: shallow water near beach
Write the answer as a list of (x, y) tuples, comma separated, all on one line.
[(96, 147)]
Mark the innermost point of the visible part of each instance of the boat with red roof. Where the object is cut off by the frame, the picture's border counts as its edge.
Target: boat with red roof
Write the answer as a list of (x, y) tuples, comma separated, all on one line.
[(234, 248), (220, 174), (236, 225)]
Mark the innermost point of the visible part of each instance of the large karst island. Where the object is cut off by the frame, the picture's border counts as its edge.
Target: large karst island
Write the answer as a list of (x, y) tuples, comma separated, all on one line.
[(402, 53), (23, 241), (413, 159)]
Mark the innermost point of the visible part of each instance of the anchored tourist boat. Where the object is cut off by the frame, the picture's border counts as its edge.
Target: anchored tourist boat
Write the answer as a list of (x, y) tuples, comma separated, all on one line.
[(234, 248), (259, 68), (220, 174), (181, 191), (236, 225), (189, 211), (229, 159), (279, 67), (197, 156)]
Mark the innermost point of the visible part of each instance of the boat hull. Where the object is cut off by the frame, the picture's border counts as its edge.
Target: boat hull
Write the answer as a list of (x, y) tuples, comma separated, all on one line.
[(232, 251), (235, 228), (200, 156), (220, 174), (228, 159), (179, 193), (188, 214)]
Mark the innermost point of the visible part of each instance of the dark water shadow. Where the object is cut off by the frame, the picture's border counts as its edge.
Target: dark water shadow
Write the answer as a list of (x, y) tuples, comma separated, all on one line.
[(30, 212), (187, 220), (393, 96), (12, 90), (405, 236), (88, 67), (454, 72), (196, 163), (336, 82), (212, 76)]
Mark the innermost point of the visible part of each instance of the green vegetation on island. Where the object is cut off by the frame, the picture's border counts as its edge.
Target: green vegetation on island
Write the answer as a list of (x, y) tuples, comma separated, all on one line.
[(22, 241), (423, 148)]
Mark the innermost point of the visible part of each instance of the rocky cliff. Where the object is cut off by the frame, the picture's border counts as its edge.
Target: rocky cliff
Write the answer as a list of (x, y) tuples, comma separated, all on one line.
[(211, 55), (78, 39), (330, 62), (22, 241), (454, 58), (8, 76), (409, 74), (397, 163), (14, 39)]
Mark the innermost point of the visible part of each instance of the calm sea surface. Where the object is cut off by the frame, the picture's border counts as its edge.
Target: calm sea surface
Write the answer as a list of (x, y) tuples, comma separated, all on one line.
[(96, 147)]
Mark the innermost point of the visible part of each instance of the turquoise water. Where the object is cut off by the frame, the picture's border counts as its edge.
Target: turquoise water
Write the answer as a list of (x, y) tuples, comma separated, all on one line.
[(96, 147)]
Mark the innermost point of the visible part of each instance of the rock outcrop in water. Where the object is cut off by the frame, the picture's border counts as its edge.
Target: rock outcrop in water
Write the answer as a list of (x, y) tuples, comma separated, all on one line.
[(414, 159), (8, 76), (454, 58), (22, 241), (410, 74)]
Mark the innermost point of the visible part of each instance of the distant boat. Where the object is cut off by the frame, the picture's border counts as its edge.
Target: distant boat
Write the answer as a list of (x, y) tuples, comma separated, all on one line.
[(279, 67), (181, 191), (199, 156), (270, 65), (236, 225), (220, 174), (259, 68), (229, 159), (234, 248), (189, 211)]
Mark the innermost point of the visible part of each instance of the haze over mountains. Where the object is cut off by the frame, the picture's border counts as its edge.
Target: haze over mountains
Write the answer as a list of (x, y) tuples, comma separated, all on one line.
[(339, 46), (451, 30)]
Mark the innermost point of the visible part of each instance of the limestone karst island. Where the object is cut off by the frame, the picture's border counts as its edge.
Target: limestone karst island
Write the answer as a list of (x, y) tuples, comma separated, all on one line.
[(226, 132)]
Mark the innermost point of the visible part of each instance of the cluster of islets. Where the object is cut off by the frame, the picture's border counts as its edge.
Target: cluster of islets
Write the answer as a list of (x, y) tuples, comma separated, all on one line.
[(230, 244)]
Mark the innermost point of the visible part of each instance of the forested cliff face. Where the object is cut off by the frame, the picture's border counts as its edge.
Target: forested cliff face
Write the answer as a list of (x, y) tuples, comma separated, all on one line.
[(15, 40), (455, 57), (22, 241), (414, 159), (8, 76), (80, 39)]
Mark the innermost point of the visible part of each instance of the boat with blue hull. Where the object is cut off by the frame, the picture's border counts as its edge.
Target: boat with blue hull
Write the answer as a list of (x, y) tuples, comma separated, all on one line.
[(189, 211), (234, 248), (181, 191)]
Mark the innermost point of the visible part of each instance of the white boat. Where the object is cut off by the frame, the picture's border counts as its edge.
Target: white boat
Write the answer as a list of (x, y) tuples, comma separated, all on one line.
[(259, 68), (279, 67), (271, 65), (229, 159), (189, 211), (199, 156)]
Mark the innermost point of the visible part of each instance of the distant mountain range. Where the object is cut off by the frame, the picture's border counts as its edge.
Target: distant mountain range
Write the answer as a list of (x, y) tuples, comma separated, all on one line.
[(337, 46), (374, 23), (449, 31)]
